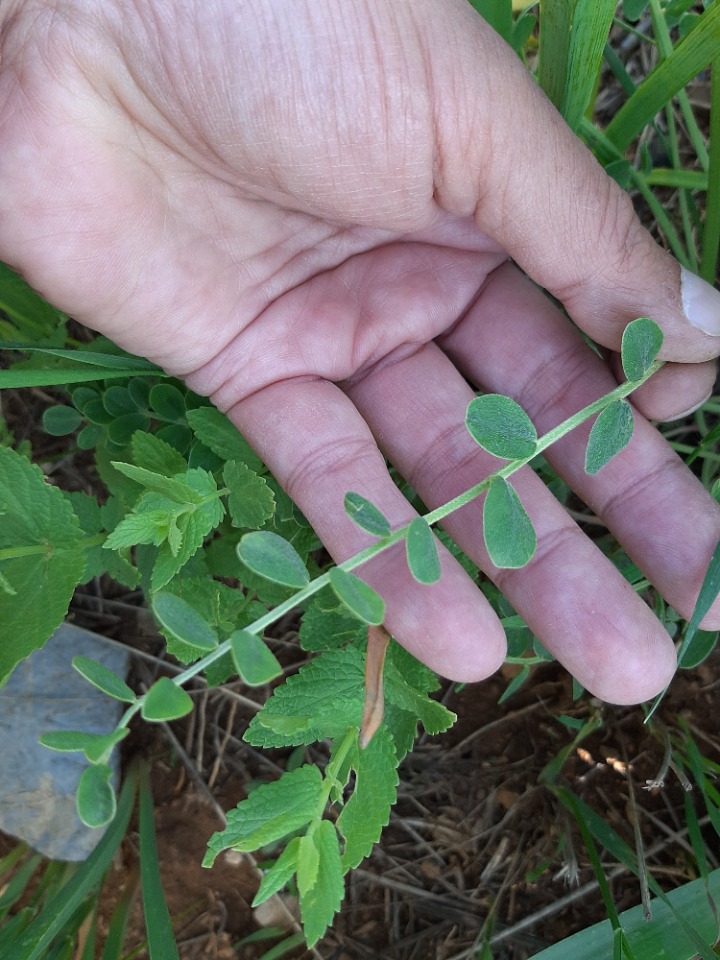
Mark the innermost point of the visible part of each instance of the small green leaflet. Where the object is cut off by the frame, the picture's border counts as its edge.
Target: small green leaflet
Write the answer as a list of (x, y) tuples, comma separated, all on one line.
[(366, 515), (164, 701), (97, 747), (168, 402), (501, 426), (509, 534), (254, 662), (102, 678), (641, 343), (61, 420), (95, 797), (610, 434), (215, 430), (358, 597), (322, 901), (421, 551), (182, 621), (368, 809), (271, 812), (272, 557), (251, 501)]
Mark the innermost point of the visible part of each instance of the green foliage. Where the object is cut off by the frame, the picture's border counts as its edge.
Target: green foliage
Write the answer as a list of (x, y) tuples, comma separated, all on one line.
[(366, 515), (509, 535), (501, 427), (422, 554), (610, 434)]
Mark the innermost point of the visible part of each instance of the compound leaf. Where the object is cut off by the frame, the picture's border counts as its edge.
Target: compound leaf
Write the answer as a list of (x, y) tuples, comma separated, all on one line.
[(254, 662), (358, 597), (366, 515), (37, 522), (271, 812), (368, 809), (272, 557), (501, 426), (99, 676), (164, 701), (641, 343), (322, 901), (251, 501), (421, 551), (509, 534), (610, 434)]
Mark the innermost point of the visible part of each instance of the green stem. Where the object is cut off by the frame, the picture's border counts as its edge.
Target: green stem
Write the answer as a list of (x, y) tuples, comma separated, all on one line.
[(260, 625)]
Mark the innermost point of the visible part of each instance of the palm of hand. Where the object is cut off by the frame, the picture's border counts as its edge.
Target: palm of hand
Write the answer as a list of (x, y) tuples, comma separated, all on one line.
[(267, 246)]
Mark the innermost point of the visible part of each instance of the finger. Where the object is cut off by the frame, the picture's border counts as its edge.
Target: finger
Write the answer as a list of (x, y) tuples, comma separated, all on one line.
[(319, 449), (515, 341), (538, 190), (570, 595), (674, 392)]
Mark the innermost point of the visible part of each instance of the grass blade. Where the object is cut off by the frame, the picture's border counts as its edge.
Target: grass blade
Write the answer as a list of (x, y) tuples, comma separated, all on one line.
[(711, 230), (161, 939)]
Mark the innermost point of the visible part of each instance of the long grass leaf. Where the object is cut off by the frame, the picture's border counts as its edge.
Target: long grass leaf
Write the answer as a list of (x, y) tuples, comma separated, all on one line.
[(711, 230), (158, 926), (17, 379), (109, 361), (41, 932), (115, 942), (687, 60)]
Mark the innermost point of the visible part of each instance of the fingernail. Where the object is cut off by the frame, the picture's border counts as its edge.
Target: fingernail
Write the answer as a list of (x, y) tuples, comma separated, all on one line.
[(701, 303)]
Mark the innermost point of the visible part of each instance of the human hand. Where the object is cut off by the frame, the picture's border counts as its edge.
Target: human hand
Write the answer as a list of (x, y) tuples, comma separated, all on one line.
[(306, 211)]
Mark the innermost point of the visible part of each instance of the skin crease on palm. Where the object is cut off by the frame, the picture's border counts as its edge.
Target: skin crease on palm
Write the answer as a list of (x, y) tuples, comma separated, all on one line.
[(306, 210)]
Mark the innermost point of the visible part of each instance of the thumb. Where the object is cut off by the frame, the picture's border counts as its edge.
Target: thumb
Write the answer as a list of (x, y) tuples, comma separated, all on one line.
[(544, 197)]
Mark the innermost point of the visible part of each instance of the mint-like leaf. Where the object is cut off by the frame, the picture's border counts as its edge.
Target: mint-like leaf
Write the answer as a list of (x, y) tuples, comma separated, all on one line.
[(322, 901), (152, 453), (368, 809), (215, 430), (171, 487), (279, 873), (271, 812), (39, 518), (328, 629), (251, 501)]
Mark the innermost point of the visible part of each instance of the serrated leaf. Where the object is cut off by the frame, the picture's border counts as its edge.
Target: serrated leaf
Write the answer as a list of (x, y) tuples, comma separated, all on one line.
[(509, 534), (641, 343), (148, 526), (322, 700), (271, 812), (328, 629), (99, 676), (610, 434), (433, 715), (308, 862), (61, 420), (366, 515), (152, 453), (183, 623), (360, 599), (272, 557), (95, 797), (193, 528), (251, 501), (215, 430), (368, 809), (501, 426), (171, 487), (279, 873), (38, 521), (165, 701), (254, 662), (421, 551), (320, 904)]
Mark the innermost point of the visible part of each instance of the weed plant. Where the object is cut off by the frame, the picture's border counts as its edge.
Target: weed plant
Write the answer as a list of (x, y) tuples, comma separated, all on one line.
[(190, 506)]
